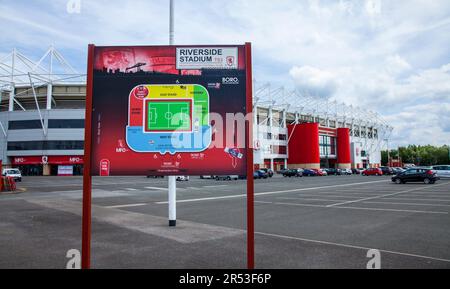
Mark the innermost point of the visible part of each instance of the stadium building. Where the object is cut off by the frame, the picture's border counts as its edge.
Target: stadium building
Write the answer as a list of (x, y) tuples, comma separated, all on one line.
[(42, 109)]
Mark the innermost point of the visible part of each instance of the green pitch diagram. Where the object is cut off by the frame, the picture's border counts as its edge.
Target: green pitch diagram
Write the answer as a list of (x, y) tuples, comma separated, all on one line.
[(168, 118)]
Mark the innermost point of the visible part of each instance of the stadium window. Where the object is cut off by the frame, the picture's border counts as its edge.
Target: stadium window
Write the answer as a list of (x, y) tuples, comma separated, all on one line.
[(45, 145), (25, 145), (281, 150), (66, 123), (24, 124)]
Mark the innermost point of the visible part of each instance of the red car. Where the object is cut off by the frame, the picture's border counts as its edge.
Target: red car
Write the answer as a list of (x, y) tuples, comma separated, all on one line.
[(372, 172), (318, 172)]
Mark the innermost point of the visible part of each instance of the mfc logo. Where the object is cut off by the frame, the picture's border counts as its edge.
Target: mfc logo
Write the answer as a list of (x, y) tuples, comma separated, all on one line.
[(74, 160), (230, 80)]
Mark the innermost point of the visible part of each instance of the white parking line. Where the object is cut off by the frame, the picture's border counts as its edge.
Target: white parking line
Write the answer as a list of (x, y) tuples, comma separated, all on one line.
[(307, 199), (158, 188), (332, 196), (125, 206), (352, 246), (408, 204), (416, 199), (130, 189), (204, 199), (291, 204), (270, 193), (353, 208), (216, 186), (422, 195), (382, 196)]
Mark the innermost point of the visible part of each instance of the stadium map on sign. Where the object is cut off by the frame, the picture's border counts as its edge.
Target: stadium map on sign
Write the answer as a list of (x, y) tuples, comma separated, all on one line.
[(168, 118)]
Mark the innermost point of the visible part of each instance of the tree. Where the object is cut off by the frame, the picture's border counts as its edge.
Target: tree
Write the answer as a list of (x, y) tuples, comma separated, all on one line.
[(427, 155)]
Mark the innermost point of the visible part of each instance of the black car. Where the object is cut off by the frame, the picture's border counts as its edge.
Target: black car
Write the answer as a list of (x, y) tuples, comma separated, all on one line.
[(269, 172), (416, 175), (333, 171), (292, 173), (356, 171), (387, 171)]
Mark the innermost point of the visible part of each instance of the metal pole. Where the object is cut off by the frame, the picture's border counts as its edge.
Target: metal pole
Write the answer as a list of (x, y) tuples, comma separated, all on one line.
[(87, 178), (172, 201), (172, 179), (249, 155), (388, 155), (171, 23)]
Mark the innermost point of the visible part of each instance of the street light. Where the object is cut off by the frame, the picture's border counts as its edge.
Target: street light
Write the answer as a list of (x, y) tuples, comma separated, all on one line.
[(388, 156)]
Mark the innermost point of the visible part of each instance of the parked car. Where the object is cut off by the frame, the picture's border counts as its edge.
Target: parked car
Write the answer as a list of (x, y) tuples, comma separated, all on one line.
[(398, 170), (387, 170), (347, 171), (372, 172), (14, 173), (308, 172), (356, 171), (292, 173), (182, 178), (425, 175), (442, 171), (227, 177), (152, 175), (334, 171), (207, 177), (318, 172), (260, 174), (268, 171), (324, 172)]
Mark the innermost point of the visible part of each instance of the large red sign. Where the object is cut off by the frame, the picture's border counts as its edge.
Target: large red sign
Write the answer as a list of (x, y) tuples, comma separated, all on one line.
[(169, 110), (165, 110)]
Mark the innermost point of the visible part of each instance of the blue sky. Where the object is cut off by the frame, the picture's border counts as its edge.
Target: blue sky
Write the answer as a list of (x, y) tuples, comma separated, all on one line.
[(392, 57)]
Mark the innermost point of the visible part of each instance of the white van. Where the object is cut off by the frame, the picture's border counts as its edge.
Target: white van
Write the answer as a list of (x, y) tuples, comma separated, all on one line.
[(442, 171), (15, 173)]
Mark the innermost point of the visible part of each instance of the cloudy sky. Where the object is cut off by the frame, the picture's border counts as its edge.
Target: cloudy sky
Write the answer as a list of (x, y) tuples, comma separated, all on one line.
[(392, 57)]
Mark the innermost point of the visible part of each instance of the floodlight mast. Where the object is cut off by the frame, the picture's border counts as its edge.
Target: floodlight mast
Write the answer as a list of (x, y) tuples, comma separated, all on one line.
[(171, 23)]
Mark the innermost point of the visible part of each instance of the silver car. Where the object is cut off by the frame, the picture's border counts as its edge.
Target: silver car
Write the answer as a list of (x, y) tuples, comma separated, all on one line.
[(442, 171), (14, 173)]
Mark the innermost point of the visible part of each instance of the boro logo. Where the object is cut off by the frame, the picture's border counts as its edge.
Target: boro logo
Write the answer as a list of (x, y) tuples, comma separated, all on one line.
[(230, 60)]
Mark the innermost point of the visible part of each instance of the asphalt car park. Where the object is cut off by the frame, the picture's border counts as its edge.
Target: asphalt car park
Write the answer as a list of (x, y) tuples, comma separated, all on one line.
[(309, 222)]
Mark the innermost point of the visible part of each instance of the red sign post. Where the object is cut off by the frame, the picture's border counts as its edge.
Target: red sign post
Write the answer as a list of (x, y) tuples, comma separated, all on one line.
[(188, 112)]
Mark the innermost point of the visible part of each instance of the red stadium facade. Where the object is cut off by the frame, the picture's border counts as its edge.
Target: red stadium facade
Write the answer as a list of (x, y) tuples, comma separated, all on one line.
[(312, 146), (304, 145)]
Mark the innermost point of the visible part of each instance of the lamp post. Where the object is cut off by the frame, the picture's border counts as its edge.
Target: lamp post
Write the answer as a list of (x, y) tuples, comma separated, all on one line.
[(172, 182), (388, 155)]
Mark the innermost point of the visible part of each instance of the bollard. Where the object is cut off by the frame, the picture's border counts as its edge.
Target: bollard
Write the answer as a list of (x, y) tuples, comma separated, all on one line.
[(12, 184)]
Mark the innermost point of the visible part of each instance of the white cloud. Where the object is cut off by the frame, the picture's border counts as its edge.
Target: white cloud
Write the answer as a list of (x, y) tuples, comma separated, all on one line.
[(314, 81), (428, 123)]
